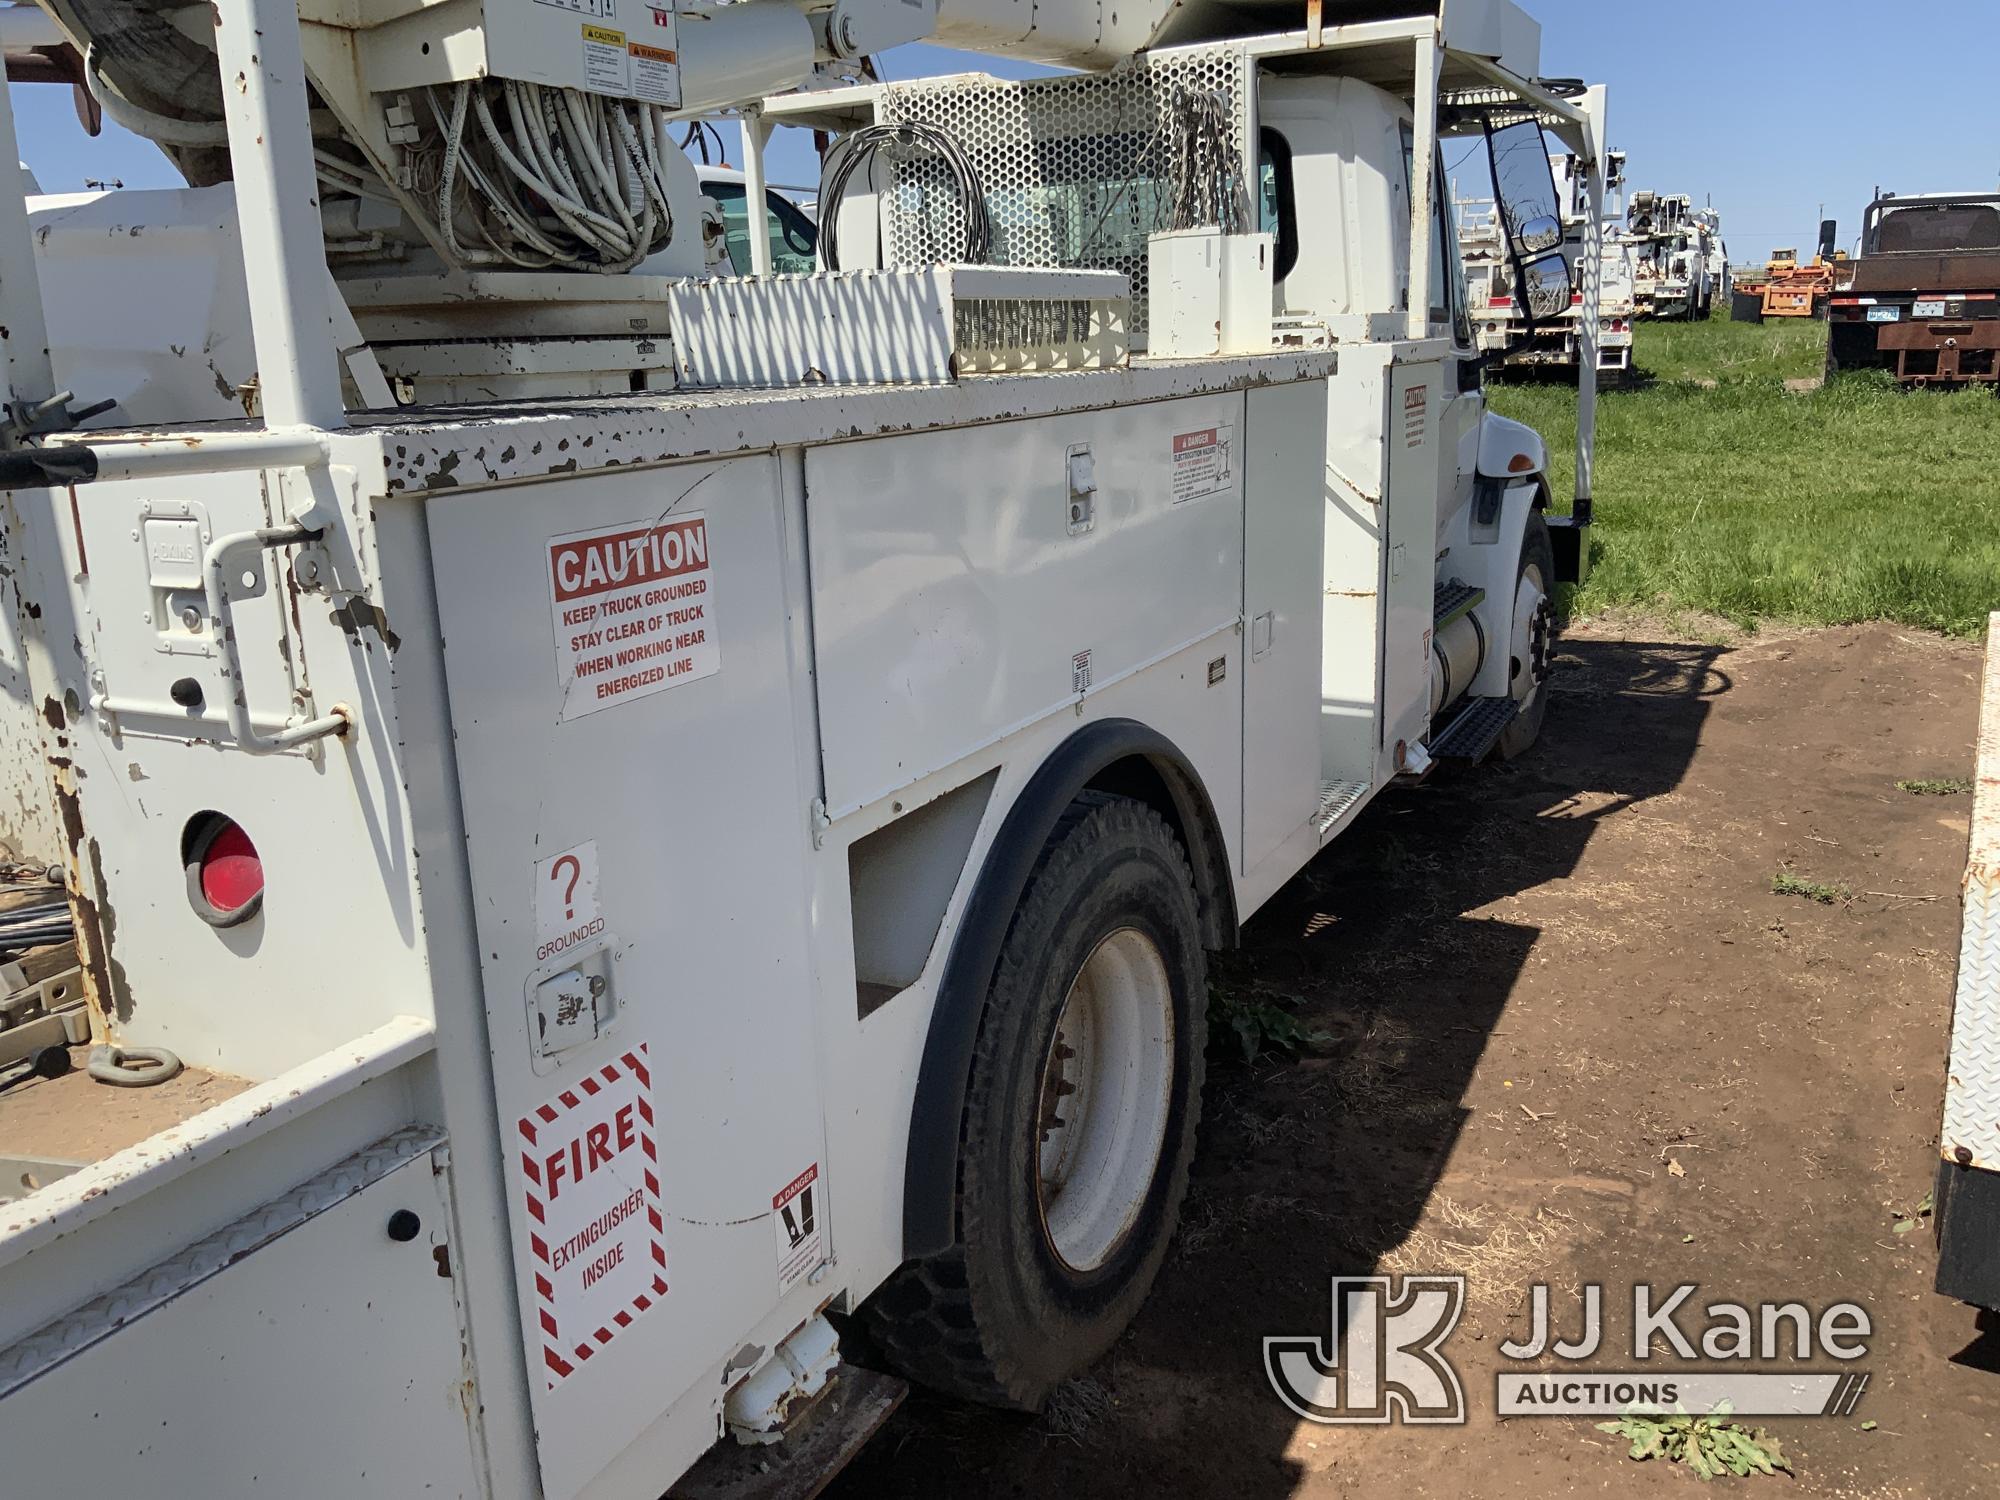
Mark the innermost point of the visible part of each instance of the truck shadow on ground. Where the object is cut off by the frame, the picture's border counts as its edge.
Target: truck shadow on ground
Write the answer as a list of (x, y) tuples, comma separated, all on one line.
[(1388, 949)]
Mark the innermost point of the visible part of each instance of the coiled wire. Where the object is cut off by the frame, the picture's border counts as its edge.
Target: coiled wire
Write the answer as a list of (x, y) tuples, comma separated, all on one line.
[(857, 147), (26, 927), (550, 178), (1206, 182)]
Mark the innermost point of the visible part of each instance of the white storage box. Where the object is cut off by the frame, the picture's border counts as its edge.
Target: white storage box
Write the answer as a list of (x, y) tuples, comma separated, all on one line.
[(1210, 293)]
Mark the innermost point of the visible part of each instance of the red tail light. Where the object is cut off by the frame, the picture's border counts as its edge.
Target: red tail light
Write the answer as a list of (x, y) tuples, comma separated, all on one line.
[(225, 874)]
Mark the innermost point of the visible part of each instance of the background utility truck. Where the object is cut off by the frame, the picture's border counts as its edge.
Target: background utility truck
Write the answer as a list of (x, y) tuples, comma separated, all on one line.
[(1501, 325), (659, 813), (1678, 259), (1923, 299)]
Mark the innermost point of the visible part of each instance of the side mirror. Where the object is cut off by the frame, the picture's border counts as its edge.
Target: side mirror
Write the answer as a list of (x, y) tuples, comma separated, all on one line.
[(1539, 234), (1545, 288), (1524, 187)]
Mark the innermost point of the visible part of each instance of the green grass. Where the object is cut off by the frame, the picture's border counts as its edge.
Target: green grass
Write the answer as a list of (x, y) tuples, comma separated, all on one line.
[(1719, 350), (1856, 502), (1784, 883), (1955, 787)]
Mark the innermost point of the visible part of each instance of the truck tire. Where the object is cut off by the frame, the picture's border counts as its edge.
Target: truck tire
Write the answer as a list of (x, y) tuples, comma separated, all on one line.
[(1079, 1120), (1533, 640)]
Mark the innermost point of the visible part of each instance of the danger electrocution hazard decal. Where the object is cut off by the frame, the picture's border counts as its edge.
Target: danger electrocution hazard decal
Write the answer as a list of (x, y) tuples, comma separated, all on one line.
[(798, 1215), (1201, 462), (591, 1186), (634, 612)]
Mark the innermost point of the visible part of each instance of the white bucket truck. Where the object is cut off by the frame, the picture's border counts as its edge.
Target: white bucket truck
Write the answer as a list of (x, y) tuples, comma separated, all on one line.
[(656, 813)]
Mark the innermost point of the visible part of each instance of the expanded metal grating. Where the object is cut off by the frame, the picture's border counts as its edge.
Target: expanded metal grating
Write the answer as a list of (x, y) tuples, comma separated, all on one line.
[(1074, 168)]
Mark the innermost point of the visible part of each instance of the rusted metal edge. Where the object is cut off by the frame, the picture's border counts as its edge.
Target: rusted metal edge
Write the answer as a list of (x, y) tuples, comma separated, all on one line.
[(527, 441), (851, 1410)]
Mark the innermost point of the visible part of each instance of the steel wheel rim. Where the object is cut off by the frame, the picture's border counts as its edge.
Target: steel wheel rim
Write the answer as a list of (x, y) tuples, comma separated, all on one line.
[(1534, 632), (1106, 1087)]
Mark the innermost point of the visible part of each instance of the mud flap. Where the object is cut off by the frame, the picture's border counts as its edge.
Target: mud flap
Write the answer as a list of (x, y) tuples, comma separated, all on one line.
[(1967, 1215), (1570, 540)]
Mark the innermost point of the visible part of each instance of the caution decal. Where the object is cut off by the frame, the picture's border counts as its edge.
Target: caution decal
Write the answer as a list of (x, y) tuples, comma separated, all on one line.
[(634, 612), (591, 1187)]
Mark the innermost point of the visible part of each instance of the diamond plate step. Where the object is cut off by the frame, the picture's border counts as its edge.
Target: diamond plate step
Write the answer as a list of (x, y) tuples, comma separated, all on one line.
[(1336, 800), (1453, 600), (1972, 1091), (1476, 731)]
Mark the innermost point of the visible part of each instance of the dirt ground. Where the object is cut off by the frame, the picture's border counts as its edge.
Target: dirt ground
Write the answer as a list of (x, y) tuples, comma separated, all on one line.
[(1544, 987)]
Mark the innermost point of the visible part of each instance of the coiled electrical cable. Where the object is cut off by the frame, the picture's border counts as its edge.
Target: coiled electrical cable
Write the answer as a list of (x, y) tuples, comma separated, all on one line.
[(858, 147), (1206, 181), (555, 178), (38, 926)]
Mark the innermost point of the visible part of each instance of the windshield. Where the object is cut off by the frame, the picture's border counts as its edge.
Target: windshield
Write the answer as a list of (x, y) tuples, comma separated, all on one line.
[(1939, 227)]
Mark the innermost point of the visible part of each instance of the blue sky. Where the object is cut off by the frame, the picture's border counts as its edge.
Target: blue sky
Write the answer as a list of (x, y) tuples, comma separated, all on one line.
[(1868, 93)]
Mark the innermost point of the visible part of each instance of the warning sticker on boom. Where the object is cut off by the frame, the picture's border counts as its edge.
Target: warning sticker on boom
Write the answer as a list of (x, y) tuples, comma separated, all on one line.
[(590, 1184), (604, 60), (1202, 462), (656, 63), (634, 612), (798, 1214)]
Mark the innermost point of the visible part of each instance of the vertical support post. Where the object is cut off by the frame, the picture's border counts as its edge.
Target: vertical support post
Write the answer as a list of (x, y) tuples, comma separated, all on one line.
[(1423, 180), (277, 212), (756, 200), (24, 329), (1247, 193), (1590, 331)]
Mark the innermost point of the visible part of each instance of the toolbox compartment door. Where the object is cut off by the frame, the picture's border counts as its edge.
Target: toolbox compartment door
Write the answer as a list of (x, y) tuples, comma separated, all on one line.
[(967, 583), (322, 1365), (640, 844)]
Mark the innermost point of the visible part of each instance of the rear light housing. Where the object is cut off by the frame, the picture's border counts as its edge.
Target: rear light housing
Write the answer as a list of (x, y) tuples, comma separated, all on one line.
[(225, 874)]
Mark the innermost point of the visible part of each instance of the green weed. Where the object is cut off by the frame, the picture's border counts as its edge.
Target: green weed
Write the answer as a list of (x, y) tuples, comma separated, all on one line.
[(1708, 1445), (1784, 883), (1259, 1022)]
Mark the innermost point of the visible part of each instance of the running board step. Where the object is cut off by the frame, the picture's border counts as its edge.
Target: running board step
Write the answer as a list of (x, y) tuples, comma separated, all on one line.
[(1455, 599), (818, 1444), (1475, 732), (1336, 800)]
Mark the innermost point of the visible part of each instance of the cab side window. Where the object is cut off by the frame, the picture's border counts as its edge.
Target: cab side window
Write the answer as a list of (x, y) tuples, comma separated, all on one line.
[(1277, 209), (794, 237)]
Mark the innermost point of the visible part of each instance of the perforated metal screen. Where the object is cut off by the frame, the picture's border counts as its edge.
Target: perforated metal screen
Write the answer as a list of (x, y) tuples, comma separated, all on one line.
[(1075, 168)]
